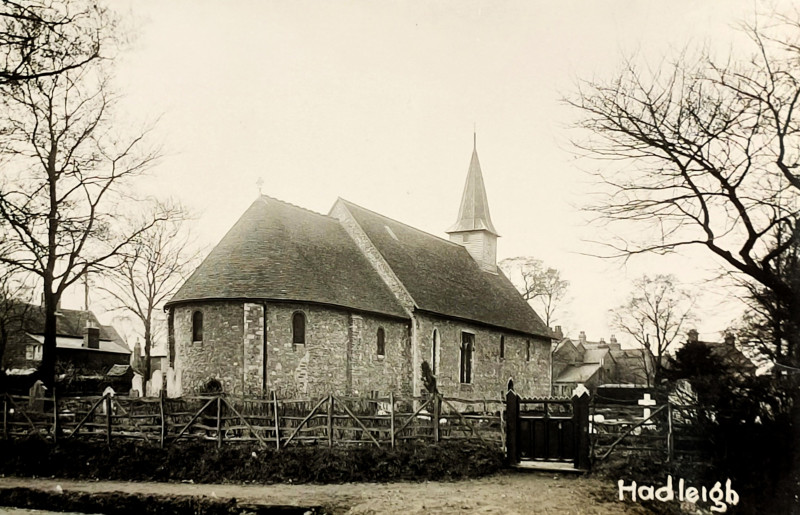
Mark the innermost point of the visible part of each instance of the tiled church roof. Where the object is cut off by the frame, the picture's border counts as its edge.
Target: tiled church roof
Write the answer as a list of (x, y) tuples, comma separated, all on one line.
[(443, 278), (278, 251)]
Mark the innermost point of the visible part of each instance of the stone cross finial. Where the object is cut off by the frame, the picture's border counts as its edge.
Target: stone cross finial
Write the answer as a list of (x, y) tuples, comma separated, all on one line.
[(647, 401), (260, 183)]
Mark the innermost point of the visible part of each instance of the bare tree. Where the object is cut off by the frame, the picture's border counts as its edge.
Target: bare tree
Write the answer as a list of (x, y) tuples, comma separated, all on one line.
[(535, 281), (40, 38), (150, 271), (655, 315), (768, 324), (704, 153), (66, 175)]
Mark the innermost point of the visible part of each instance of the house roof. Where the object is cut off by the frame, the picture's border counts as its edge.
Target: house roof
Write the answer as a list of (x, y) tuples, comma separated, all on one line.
[(594, 355), (71, 342), (633, 365), (473, 214), (70, 329), (278, 251), (578, 373), (443, 278), (69, 323), (732, 356), (118, 370)]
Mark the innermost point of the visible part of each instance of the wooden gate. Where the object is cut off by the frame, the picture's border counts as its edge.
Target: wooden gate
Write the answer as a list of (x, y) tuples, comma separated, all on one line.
[(546, 429)]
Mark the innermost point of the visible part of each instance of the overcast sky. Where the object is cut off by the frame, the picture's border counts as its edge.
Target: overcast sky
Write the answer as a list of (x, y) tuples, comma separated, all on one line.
[(375, 102)]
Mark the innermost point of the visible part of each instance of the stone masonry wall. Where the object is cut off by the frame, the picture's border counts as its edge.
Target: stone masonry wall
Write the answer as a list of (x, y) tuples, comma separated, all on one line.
[(490, 373), (232, 350), (219, 356), (313, 368), (383, 374), (253, 353), (321, 365)]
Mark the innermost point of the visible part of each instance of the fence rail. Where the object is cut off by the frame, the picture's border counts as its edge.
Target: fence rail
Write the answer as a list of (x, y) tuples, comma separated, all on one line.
[(330, 420), (663, 431)]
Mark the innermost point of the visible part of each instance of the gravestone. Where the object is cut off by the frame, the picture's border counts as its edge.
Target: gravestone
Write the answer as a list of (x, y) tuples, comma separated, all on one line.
[(647, 402), (110, 392), (137, 385), (174, 388), (36, 394), (155, 384)]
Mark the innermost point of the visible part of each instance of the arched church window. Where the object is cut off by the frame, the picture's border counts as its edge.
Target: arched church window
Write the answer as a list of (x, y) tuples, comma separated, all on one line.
[(381, 342), (435, 343), (299, 328), (467, 350), (502, 347), (197, 326), (527, 350)]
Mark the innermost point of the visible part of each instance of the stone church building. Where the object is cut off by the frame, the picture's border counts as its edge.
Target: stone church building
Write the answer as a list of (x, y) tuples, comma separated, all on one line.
[(353, 302)]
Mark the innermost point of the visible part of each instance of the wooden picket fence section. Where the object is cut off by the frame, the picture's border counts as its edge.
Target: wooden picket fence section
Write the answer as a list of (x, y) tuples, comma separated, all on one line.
[(670, 431), (330, 420)]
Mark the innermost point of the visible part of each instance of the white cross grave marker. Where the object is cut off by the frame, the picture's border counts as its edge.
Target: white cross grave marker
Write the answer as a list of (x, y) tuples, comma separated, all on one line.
[(647, 401)]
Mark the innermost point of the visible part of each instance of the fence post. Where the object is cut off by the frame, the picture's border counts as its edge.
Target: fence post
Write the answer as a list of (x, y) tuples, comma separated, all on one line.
[(437, 408), (670, 441), (5, 418), (391, 416), (512, 426), (503, 423), (55, 416), (163, 422), (277, 424), (219, 421), (108, 419), (580, 414), (330, 420)]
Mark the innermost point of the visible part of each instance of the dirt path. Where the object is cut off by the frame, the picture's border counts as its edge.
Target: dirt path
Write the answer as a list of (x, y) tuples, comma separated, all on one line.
[(507, 493)]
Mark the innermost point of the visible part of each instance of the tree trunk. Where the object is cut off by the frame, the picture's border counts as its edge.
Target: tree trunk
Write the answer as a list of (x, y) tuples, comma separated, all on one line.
[(47, 369), (147, 344), (3, 341)]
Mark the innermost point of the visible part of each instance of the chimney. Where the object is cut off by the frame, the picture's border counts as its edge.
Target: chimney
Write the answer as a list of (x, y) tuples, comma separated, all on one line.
[(559, 334), (730, 339), (582, 337), (613, 344), (91, 339), (692, 336), (613, 339)]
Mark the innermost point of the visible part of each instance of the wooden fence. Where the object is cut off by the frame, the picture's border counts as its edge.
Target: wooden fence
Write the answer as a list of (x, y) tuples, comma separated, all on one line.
[(664, 431), (330, 420)]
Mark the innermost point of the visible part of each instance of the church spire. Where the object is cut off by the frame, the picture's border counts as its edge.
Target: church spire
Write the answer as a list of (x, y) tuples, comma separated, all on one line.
[(473, 214), (474, 228)]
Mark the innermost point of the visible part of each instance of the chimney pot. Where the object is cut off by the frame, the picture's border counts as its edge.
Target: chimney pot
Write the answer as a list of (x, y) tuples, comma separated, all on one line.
[(92, 338), (692, 336), (558, 332), (582, 337)]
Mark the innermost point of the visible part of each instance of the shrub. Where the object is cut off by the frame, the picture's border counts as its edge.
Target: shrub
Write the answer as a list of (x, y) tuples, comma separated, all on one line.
[(202, 462)]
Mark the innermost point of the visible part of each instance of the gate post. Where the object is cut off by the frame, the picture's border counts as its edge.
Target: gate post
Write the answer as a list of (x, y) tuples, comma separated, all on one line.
[(580, 413), (512, 427)]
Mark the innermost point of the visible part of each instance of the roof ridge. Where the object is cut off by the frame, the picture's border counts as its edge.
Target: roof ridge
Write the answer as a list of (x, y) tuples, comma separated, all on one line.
[(264, 196), (399, 222)]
